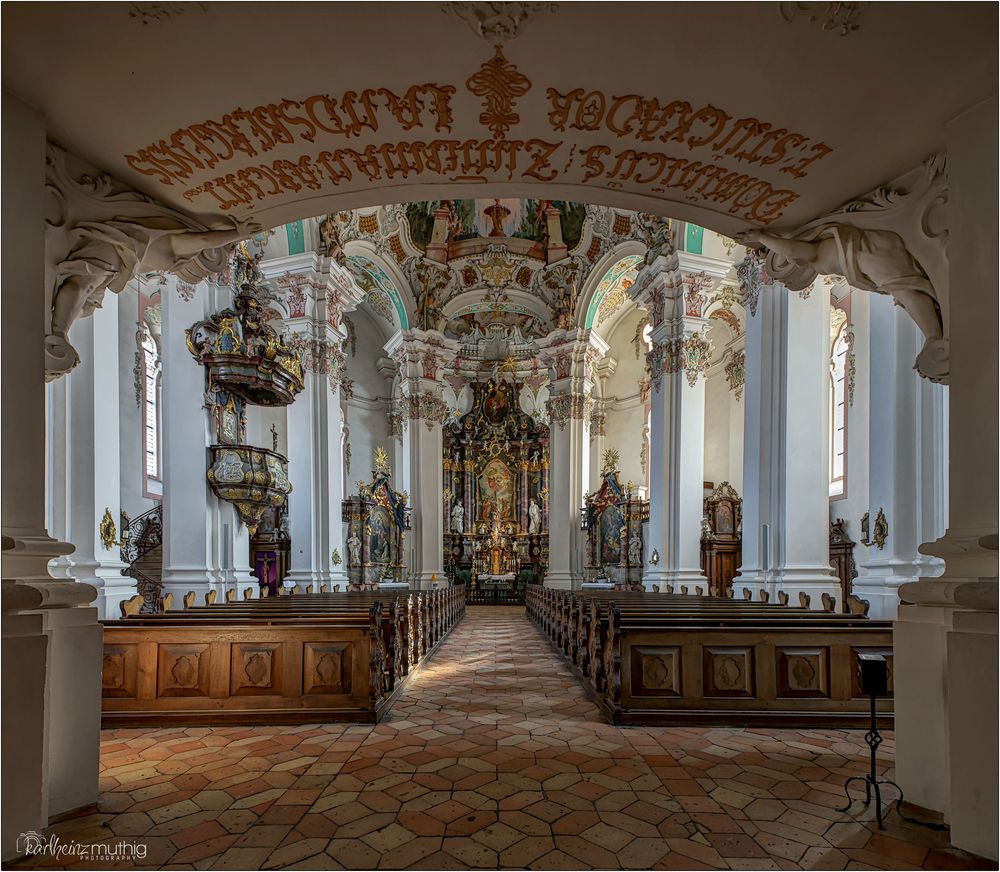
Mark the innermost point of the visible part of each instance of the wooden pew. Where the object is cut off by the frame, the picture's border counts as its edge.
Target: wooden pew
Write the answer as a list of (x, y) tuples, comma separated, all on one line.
[(655, 659), (308, 658)]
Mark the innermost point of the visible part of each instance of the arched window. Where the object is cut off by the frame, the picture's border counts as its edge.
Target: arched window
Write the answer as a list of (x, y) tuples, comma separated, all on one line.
[(838, 404), (150, 404)]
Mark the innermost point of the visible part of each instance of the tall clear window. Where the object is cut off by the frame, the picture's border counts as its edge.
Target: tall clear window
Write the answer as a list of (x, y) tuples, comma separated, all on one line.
[(150, 405), (838, 410)]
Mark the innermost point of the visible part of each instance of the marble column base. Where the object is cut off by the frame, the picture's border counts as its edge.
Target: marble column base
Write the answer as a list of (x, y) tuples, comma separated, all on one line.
[(559, 580), (945, 698)]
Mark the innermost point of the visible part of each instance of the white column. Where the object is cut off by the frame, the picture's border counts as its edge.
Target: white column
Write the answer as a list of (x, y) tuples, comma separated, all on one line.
[(312, 502), (905, 419), (945, 635), (423, 479), (677, 456), (803, 550), (85, 473), (189, 506), (786, 479), (569, 450), (51, 638)]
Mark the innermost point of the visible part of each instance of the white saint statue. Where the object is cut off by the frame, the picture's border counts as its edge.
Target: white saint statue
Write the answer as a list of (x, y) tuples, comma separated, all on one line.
[(354, 548), (635, 550), (534, 517), (458, 518)]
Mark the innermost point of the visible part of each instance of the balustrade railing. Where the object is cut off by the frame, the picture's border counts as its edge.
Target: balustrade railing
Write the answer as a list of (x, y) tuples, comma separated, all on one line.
[(140, 535)]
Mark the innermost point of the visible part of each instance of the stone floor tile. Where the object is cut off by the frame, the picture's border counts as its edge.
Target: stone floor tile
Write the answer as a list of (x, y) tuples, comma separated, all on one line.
[(494, 757)]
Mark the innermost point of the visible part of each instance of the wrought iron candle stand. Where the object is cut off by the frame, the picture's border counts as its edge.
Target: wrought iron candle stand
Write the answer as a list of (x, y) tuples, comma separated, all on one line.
[(873, 671)]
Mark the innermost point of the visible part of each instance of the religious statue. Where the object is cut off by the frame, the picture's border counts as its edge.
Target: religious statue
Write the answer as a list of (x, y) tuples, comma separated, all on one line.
[(330, 237), (635, 550), (534, 517), (458, 518), (107, 255), (706, 529), (354, 549), (871, 260)]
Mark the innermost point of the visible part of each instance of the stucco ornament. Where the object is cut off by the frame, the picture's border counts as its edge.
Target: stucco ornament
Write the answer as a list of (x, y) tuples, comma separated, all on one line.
[(871, 260), (497, 22), (101, 234)]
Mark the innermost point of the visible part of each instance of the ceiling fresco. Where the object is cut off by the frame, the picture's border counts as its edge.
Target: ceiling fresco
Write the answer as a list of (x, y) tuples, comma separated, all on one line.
[(473, 264)]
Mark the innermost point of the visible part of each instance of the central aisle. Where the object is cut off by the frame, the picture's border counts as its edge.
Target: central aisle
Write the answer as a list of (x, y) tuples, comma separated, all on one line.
[(493, 758)]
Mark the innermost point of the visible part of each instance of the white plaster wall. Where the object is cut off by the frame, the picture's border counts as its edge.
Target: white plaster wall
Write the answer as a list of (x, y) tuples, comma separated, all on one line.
[(718, 431), (259, 422), (367, 410), (625, 411)]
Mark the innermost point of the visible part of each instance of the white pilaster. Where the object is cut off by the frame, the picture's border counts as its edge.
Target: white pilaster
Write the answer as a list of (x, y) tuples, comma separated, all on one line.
[(314, 505), (786, 513), (85, 474), (569, 450), (189, 506), (51, 638), (906, 451), (423, 477), (677, 458), (945, 634)]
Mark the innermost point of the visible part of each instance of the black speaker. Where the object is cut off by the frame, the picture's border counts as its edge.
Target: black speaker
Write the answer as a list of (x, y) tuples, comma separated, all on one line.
[(873, 671)]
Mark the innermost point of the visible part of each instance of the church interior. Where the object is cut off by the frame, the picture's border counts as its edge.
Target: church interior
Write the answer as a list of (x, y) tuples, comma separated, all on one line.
[(635, 506)]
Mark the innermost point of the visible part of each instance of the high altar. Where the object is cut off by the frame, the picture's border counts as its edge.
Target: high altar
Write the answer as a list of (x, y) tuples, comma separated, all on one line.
[(496, 472), (613, 518), (377, 519)]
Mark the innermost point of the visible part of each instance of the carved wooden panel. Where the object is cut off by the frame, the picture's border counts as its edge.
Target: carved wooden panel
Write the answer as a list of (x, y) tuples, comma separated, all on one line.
[(118, 673), (656, 671), (802, 672), (326, 667), (182, 670), (255, 668), (856, 679), (728, 671)]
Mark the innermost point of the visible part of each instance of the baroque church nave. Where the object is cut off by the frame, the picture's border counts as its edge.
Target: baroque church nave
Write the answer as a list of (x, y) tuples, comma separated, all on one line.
[(632, 508)]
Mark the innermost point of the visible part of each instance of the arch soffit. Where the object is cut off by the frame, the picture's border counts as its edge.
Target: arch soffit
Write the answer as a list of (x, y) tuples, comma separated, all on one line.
[(588, 303), (391, 280)]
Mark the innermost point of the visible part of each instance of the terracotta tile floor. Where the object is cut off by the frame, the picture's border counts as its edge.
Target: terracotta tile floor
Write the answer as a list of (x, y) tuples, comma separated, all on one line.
[(495, 758)]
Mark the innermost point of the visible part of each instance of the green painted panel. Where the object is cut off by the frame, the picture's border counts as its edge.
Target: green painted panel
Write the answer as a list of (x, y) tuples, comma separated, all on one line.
[(296, 237), (693, 238)]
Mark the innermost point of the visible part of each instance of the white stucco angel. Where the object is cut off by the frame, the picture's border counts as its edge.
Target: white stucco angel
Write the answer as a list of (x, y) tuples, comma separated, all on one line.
[(107, 255), (871, 260)]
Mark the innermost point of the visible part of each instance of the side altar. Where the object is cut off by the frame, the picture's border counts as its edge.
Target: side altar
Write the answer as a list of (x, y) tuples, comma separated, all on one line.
[(496, 477), (377, 519), (612, 519)]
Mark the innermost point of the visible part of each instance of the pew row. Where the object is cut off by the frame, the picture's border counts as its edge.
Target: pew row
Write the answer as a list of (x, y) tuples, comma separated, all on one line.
[(659, 659), (304, 659)]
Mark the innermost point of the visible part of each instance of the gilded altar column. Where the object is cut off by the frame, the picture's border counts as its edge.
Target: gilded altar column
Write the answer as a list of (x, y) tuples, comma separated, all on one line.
[(571, 357), (419, 360)]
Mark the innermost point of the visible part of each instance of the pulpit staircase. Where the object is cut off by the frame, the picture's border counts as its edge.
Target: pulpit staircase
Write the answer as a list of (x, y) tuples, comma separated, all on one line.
[(142, 551)]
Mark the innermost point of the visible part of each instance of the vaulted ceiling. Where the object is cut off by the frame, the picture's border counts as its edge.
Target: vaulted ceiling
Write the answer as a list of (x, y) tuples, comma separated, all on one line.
[(725, 114)]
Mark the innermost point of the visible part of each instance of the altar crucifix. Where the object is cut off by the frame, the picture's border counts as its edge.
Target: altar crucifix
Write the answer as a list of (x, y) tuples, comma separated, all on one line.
[(274, 438)]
